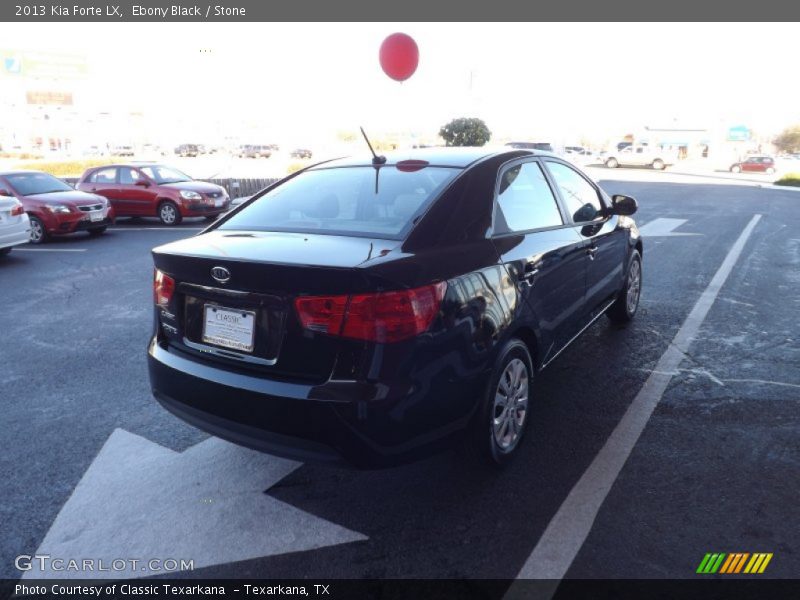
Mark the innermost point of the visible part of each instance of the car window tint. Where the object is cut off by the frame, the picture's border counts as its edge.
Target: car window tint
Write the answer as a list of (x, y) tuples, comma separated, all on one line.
[(344, 200), (27, 184), (525, 200), (104, 176), (128, 176), (579, 195)]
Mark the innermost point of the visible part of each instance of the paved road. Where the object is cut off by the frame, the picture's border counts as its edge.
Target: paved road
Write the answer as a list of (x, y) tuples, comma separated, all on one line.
[(715, 468)]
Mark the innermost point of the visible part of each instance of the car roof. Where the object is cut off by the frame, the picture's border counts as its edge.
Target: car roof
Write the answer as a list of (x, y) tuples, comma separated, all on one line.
[(23, 172), (445, 156), (133, 165)]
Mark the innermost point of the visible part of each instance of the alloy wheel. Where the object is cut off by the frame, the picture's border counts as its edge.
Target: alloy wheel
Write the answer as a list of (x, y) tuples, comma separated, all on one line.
[(634, 286), (510, 405), (168, 215), (37, 232)]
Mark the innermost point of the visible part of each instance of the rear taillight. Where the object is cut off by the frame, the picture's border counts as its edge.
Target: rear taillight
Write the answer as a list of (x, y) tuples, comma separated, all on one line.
[(382, 317), (17, 210), (163, 288), (324, 314)]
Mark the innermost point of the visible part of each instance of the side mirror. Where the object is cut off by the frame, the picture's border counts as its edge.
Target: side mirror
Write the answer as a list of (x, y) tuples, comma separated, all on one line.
[(142, 183), (5, 193), (623, 205), (585, 213)]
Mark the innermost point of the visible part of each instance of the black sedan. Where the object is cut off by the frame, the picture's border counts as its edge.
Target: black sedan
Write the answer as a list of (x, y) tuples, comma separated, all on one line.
[(377, 310)]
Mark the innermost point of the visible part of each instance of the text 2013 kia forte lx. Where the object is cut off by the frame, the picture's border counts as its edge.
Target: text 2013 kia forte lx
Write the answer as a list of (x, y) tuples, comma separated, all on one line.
[(380, 309)]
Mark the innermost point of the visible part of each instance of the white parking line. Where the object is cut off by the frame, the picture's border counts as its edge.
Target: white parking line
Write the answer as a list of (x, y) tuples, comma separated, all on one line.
[(569, 527), (49, 249)]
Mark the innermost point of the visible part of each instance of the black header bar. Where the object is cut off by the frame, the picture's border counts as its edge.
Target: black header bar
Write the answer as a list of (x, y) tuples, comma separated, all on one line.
[(497, 11)]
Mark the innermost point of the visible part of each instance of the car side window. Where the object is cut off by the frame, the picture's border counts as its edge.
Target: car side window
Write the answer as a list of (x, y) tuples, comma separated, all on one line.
[(105, 176), (525, 200), (580, 196), (128, 176)]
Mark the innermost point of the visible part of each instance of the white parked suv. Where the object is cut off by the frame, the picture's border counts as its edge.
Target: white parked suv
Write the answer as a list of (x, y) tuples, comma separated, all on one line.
[(638, 156)]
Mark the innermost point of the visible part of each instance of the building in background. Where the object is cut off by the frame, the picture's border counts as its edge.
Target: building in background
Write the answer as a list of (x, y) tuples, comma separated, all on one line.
[(720, 142)]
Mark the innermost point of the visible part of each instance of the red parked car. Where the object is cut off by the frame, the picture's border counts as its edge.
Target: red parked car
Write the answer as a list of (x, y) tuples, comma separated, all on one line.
[(155, 191), (54, 208), (760, 164)]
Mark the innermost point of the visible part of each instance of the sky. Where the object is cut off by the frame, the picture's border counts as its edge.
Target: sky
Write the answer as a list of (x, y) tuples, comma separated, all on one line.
[(561, 81)]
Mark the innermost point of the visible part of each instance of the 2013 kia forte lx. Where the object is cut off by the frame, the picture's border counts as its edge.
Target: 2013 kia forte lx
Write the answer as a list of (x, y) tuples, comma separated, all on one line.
[(380, 309)]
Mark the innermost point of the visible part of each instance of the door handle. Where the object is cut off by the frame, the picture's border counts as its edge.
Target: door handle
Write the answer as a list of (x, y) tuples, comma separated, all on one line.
[(591, 251)]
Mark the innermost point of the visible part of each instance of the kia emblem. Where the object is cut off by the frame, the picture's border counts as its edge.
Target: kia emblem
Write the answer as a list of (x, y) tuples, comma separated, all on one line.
[(220, 274)]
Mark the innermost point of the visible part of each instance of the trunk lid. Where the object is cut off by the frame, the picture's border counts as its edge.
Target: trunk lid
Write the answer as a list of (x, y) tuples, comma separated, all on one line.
[(266, 272)]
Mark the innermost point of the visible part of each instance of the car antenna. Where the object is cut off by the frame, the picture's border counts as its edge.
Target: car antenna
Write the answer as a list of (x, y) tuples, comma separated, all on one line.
[(376, 160)]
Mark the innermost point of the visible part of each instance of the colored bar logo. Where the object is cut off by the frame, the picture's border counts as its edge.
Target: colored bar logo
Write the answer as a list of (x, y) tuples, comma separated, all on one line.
[(733, 563)]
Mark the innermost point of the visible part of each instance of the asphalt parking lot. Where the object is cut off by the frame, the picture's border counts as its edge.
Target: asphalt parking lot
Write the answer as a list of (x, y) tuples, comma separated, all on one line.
[(94, 467)]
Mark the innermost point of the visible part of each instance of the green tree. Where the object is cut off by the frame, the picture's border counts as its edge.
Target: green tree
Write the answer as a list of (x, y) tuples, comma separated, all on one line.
[(465, 132), (788, 140)]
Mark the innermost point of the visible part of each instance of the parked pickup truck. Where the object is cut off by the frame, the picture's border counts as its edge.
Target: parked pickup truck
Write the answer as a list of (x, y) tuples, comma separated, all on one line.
[(638, 156)]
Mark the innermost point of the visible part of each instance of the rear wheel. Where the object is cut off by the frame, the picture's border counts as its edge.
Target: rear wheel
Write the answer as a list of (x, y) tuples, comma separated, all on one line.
[(4, 251), (612, 163), (502, 419), (627, 303), (736, 169), (38, 231), (169, 214), (658, 164)]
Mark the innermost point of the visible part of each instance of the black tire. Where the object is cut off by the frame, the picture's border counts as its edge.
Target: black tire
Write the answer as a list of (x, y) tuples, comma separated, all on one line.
[(4, 251), (486, 428), (658, 164), (97, 231), (169, 214), (38, 231), (627, 303), (736, 169), (612, 163)]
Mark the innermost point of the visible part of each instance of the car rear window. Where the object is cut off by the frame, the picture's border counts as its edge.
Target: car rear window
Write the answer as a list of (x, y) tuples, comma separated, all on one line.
[(366, 201)]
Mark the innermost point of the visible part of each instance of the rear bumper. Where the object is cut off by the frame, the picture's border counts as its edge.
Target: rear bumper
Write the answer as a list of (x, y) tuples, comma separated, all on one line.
[(15, 236), (367, 425), (251, 437)]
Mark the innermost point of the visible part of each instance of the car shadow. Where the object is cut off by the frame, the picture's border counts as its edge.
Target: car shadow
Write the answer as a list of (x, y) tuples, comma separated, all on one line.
[(453, 516)]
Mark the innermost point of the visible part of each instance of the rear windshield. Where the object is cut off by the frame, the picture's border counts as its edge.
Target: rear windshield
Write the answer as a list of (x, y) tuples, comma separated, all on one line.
[(364, 201)]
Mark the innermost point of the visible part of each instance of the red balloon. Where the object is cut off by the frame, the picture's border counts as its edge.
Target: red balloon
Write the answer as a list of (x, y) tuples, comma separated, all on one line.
[(399, 56)]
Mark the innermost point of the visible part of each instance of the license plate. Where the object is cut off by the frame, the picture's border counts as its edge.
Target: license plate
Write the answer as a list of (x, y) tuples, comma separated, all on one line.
[(229, 328), (96, 215), (219, 202)]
